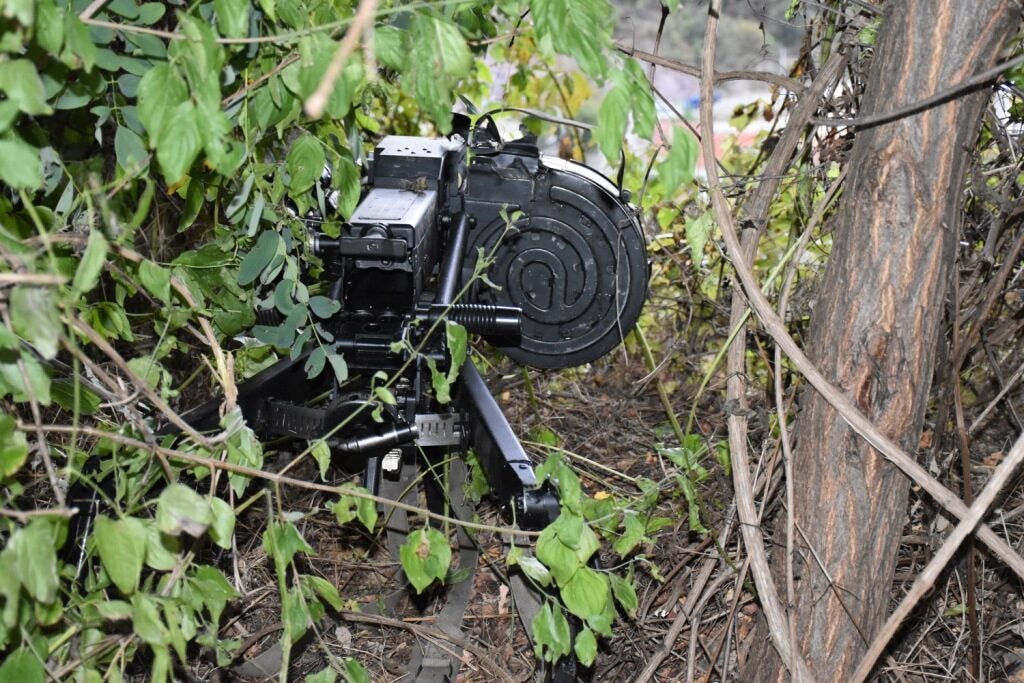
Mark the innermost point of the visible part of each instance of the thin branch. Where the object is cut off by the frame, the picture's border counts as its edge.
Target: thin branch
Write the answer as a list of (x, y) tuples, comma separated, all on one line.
[(976, 82), (789, 84), (926, 579), (41, 279), (363, 21), (92, 9), (749, 523), (214, 464)]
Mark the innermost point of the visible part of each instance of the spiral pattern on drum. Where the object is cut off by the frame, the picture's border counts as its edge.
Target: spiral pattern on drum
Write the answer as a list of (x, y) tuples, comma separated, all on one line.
[(578, 277)]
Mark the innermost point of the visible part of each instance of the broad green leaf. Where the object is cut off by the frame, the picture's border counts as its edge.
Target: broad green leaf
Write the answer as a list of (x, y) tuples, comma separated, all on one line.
[(156, 279), (122, 548), (327, 591), (181, 510), (180, 141), (13, 447), (305, 163), (130, 150), (89, 268), (232, 17), (35, 317), (586, 593), (33, 559), (585, 647), (114, 610), (425, 557), (531, 566), (214, 589), (339, 366), (612, 118), (259, 258), (551, 633), (625, 593), (223, 526), (321, 452), (354, 671), (20, 81), (79, 50), (633, 534), (698, 233), (160, 92), (677, 169), (147, 622), (350, 507), (161, 549), (22, 10), (20, 164), (22, 666), (13, 381), (327, 675), (282, 541), (438, 59), (559, 558), (389, 47), (581, 29), (323, 306)]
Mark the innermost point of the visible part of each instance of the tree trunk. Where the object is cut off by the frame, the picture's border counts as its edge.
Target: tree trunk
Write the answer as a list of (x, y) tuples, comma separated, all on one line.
[(874, 327)]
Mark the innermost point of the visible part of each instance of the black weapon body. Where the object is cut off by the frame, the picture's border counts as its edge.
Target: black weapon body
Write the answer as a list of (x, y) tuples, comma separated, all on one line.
[(566, 281)]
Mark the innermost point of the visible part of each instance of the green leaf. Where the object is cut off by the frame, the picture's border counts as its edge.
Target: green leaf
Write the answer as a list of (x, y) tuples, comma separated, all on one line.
[(161, 549), (612, 118), (305, 163), (531, 566), (214, 589), (122, 548), (678, 167), (321, 452), (20, 81), (350, 507), (259, 258), (698, 233), (327, 675), (425, 557), (79, 50), (156, 279), (232, 17), (586, 593), (354, 671), (323, 306), (282, 541), (160, 92), (13, 447), (114, 610), (22, 666), (325, 589), (581, 29), (35, 317), (180, 141), (20, 164), (625, 594), (223, 526), (146, 621), (634, 533), (559, 558), (585, 647), (339, 366), (551, 633), (33, 559), (180, 509), (439, 58), (130, 150), (89, 268)]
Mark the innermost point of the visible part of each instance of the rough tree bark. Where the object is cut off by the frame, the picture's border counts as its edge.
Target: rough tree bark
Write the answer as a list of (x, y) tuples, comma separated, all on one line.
[(874, 327)]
